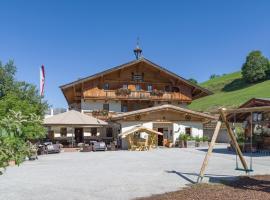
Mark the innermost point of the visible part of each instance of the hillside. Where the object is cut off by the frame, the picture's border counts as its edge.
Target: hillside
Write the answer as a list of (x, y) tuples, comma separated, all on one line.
[(229, 91)]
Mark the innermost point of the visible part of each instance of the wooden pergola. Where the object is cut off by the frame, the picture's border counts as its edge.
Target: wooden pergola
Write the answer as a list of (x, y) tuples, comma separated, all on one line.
[(223, 113), (135, 143)]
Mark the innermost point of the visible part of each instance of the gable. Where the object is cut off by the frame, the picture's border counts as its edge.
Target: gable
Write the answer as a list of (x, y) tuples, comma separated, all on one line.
[(163, 113), (160, 116), (148, 69)]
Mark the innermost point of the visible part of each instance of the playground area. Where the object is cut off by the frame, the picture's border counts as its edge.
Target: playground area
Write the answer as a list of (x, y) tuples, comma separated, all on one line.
[(120, 174)]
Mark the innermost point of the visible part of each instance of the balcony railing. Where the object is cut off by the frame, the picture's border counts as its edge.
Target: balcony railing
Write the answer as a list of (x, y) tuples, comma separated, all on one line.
[(136, 95)]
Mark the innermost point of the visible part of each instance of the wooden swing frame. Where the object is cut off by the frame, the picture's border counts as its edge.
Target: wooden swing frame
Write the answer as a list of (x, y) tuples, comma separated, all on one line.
[(223, 112)]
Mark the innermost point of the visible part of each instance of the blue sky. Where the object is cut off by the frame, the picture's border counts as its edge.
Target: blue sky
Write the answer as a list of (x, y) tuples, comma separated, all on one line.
[(75, 39)]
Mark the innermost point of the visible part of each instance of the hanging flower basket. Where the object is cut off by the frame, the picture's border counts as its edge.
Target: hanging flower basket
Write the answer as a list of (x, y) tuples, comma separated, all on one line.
[(122, 91), (156, 92), (100, 113)]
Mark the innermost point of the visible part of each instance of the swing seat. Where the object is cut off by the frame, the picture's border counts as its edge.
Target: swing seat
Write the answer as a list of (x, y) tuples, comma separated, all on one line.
[(241, 169)]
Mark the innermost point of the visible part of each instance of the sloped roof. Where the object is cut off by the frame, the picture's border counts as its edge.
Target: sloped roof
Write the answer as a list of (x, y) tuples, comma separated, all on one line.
[(253, 102), (139, 129), (207, 92), (73, 118), (160, 108)]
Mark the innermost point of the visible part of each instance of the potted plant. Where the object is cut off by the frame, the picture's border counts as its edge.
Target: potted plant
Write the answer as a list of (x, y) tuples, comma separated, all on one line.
[(105, 112), (169, 143), (204, 141), (123, 91), (197, 141), (190, 142), (183, 140)]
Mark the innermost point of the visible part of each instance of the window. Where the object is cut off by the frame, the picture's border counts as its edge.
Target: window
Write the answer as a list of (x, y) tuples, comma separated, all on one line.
[(125, 86), (106, 86), (63, 132), (138, 87), (149, 88), (93, 131), (124, 108), (106, 106), (188, 131), (109, 132)]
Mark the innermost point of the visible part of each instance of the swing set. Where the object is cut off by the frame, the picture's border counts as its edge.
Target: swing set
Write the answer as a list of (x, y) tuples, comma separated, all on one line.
[(224, 114)]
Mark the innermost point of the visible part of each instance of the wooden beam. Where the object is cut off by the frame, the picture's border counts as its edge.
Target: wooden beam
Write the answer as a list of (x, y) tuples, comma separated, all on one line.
[(233, 138), (209, 152)]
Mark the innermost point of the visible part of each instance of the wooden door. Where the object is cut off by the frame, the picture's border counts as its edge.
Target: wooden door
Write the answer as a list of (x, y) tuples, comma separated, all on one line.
[(160, 137)]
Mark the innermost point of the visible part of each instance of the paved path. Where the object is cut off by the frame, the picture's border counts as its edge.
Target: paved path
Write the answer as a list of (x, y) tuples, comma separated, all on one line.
[(115, 175)]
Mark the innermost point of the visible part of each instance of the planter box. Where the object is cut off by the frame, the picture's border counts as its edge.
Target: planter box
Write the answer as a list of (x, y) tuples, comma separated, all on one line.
[(182, 144), (191, 144), (203, 144), (197, 144)]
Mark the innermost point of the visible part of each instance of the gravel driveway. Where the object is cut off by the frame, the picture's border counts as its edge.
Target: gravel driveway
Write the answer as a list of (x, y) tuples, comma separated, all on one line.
[(116, 175)]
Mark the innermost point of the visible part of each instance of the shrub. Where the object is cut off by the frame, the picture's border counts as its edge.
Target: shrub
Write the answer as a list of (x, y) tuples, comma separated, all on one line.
[(255, 68), (183, 137), (205, 139), (197, 139)]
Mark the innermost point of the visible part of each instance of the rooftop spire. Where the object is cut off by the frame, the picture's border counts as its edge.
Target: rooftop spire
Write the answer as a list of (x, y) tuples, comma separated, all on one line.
[(138, 51)]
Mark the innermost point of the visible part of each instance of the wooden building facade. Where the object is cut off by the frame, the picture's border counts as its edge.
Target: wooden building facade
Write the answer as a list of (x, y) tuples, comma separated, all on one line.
[(136, 86)]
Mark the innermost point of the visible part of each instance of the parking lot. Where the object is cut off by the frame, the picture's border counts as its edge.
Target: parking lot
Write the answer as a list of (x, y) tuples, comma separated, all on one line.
[(116, 174)]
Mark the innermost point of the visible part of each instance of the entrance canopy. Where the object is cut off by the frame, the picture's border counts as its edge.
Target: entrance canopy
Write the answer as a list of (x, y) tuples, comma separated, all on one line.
[(74, 118)]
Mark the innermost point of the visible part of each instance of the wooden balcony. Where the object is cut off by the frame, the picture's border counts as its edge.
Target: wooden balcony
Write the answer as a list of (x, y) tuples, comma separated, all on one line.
[(135, 95)]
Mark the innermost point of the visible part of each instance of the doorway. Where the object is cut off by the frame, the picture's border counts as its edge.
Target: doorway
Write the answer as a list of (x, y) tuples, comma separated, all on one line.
[(160, 137), (78, 135)]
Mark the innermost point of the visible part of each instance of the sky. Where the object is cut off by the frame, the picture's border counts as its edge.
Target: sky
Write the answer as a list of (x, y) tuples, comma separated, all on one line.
[(75, 39)]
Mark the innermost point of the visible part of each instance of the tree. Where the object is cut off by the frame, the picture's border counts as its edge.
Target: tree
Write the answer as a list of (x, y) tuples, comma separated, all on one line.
[(212, 76), (21, 113), (192, 80), (255, 68)]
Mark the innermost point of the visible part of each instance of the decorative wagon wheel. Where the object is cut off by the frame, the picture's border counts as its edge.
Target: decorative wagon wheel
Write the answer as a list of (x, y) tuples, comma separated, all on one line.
[(188, 117), (138, 117)]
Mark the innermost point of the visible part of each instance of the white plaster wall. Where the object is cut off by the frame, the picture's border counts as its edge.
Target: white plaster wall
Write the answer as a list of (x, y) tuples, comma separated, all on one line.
[(179, 127), (56, 130), (98, 105)]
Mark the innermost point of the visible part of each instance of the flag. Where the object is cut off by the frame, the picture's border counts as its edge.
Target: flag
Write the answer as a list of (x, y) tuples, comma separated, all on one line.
[(42, 81)]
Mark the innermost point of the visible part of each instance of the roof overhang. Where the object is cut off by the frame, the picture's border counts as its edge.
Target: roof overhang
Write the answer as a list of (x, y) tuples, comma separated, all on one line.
[(164, 108)]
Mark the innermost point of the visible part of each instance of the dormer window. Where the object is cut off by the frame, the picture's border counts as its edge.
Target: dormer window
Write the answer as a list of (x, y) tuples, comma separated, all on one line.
[(106, 86)]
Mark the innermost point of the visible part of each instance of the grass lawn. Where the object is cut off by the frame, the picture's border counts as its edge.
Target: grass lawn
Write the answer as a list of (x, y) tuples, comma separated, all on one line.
[(230, 91)]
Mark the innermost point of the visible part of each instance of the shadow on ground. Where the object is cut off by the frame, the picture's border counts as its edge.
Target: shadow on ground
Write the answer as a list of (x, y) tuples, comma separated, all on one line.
[(213, 178), (258, 183), (226, 151)]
